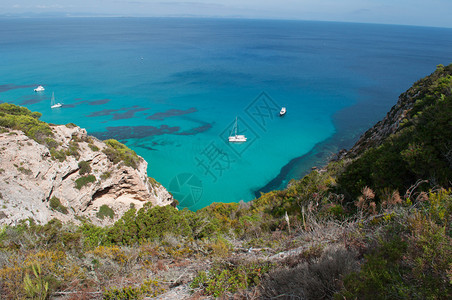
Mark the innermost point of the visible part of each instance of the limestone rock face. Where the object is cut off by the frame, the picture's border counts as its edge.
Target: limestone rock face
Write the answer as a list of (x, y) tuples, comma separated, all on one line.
[(35, 184)]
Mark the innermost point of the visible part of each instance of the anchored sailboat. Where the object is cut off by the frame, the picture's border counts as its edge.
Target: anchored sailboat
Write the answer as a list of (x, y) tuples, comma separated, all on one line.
[(52, 102), (282, 112), (39, 89), (236, 138)]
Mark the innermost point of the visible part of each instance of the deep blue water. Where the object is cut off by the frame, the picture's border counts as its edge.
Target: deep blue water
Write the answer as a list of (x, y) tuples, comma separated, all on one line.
[(171, 89)]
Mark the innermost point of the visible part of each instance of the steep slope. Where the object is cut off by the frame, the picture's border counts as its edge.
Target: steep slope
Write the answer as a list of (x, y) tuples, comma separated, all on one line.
[(412, 143), (61, 172), (403, 113)]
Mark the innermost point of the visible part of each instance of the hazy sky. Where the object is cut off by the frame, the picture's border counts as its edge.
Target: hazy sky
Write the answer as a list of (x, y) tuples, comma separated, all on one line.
[(410, 12)]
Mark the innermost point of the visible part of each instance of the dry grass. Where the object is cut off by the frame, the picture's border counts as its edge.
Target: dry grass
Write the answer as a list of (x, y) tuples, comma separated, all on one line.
[(309, 277)]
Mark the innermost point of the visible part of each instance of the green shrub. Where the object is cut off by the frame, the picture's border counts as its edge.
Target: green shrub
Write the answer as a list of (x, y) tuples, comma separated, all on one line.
[(51, 143), (82, 181), (85, 167), (93, 147), (55, 204), (93, 236), (117, 152), (154, 183), (21, 118), (105, 211), (149, 288), (73, 149), (412, 258), (58, 155), (381, 277), (24, 170), (151, 223), (105, 175), (230, 277)]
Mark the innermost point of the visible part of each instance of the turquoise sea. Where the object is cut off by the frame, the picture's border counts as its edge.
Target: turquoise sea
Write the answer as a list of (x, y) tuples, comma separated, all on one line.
[(172, 88)]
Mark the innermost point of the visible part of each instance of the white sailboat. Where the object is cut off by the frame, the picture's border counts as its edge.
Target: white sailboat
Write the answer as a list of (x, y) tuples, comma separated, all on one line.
[(236, 138), (52, 102)]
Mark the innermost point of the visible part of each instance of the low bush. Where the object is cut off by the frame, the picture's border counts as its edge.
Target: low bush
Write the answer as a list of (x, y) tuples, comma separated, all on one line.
[(55, 204), (149, 288), (230, 277), (312, 276), (105, 175), (118, 152), (21, 118), (93, 147), (82, 181), (412, 257), (85, 167), (73, 150), (152, 223), (105, 211), (59, 155), (24, 171)]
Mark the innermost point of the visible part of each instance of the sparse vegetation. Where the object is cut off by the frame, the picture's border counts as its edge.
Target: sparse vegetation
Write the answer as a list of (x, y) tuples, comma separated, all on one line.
[(24, 170), (85, 167), (105, 175), (149, 288), (73, 150), (58, 155), (120, 153), (82, 181), (56, 205), (105, 211), (230, 277), (93, 147)]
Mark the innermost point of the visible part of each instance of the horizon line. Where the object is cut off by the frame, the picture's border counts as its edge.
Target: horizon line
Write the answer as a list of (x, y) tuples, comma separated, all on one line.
[(62, 15)]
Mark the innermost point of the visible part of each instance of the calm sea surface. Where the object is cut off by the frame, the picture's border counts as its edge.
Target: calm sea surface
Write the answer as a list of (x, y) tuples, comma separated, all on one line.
[(171, 89)]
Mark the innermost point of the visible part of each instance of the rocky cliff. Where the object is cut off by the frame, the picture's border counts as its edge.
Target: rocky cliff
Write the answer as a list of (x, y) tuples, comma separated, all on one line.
[(79, 176)]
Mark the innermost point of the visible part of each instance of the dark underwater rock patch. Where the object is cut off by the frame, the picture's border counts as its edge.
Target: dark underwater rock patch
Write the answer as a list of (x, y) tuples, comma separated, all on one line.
[(195, 130), (89, 102), (7, 87), (128, 114), (120, 113), (171, 113), (32, 100), (134, 132)]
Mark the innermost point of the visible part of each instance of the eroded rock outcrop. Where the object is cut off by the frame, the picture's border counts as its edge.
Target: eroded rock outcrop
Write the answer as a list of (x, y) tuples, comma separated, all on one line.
[(75, 180)]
